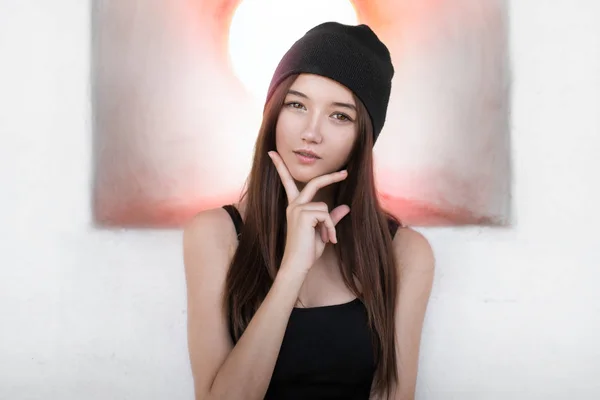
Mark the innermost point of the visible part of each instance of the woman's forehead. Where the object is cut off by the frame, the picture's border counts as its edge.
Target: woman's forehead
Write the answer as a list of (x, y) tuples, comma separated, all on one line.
[(320, 88)]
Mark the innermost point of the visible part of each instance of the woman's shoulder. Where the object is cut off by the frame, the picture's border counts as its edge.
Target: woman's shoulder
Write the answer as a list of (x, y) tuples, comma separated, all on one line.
[(214, 219), (412, 249), (212, 228)]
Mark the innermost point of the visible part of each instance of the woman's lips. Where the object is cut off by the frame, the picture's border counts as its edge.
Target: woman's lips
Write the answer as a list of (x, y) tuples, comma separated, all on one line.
[(306, 158)]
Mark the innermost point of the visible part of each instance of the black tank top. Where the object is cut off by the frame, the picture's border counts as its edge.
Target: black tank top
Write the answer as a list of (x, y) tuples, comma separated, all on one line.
[(326, 353)]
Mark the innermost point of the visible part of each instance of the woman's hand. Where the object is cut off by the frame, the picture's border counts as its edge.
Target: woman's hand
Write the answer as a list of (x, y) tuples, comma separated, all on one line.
[(310, 225)]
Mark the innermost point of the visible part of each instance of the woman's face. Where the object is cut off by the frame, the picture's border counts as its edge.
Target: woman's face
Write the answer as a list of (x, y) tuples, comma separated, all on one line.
[(318, 116)]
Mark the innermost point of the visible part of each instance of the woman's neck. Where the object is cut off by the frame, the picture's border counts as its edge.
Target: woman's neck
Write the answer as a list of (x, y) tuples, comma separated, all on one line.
[(325, 195)]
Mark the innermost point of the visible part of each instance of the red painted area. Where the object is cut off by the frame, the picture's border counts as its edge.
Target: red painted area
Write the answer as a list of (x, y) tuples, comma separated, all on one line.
[(176, 212), (419, 213), (170, 213)]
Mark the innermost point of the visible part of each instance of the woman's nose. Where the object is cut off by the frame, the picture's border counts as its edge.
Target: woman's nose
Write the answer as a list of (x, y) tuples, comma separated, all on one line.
[(312, 131)]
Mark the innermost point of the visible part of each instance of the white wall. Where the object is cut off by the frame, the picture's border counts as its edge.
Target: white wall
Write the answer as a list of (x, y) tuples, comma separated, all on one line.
[(515, 314)]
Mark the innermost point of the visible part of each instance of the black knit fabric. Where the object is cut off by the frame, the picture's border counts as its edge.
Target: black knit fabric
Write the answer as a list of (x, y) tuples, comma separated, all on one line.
[(352, 55)]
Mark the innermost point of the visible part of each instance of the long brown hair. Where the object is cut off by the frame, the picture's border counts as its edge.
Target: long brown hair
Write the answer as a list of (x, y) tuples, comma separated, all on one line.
[(367, 256)]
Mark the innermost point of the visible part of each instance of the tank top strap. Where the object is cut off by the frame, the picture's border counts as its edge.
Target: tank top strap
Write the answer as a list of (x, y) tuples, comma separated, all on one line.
[(236, 217), (393, 226)]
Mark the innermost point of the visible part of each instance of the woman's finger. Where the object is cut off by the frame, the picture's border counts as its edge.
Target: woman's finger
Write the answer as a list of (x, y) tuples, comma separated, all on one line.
[(339, 212), (286, 178), (323, 218), (323, 232)]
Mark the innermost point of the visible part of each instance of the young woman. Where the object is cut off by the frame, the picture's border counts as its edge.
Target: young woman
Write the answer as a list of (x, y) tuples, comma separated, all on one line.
[(307, 289)]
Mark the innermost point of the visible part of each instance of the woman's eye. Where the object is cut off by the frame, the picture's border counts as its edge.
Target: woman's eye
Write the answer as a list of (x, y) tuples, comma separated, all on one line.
[(294, 104), (342, 117)]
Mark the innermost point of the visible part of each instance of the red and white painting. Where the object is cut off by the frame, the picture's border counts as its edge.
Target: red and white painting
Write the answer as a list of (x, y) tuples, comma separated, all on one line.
[(178, 90)]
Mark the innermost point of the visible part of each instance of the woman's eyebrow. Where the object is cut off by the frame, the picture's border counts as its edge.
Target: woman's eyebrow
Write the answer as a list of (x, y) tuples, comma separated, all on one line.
[(345, 105), (335, 103), (297, 93)]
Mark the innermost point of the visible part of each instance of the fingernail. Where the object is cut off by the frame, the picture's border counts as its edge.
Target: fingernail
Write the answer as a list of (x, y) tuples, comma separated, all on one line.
[(344, 172), (269, 153)]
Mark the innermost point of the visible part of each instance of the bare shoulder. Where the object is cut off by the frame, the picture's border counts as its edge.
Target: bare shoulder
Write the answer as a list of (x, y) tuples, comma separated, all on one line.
[(412, 250), (214, 224), (209, 241), (415, 263)]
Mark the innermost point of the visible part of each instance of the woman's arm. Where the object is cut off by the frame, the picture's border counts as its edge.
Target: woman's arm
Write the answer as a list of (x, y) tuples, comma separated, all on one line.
[(221, 370), (415, 262)]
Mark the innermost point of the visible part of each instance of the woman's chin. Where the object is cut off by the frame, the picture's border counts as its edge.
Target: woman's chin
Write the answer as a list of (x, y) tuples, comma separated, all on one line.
[(304, 176), (302, 179)]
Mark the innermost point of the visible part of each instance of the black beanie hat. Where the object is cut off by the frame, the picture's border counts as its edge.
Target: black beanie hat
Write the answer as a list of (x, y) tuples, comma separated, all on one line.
[(351, 55)]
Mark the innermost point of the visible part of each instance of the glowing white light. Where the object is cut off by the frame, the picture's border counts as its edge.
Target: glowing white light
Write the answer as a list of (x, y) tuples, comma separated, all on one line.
[(263, 30)]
